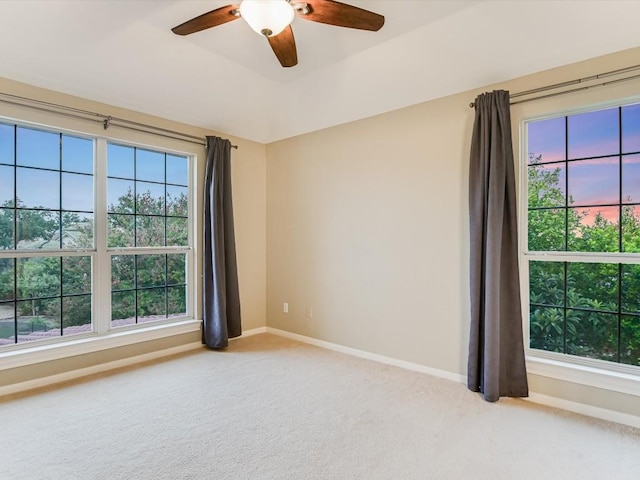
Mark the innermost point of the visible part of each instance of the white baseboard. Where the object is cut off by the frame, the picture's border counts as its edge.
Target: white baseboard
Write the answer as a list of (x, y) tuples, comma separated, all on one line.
[(584, 409), (416, 367), (103, 367), (253, 331), (581, 408)]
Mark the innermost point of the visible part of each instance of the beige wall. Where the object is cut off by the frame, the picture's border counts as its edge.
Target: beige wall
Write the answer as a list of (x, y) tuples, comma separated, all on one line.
[(367, 223), (249, 197)]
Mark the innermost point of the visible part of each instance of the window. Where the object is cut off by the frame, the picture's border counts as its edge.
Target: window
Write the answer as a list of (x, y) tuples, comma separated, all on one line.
[(147, 207), (55, 230), (583, 234)]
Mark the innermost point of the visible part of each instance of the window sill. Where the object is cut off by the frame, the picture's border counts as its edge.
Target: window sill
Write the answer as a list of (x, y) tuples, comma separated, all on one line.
[(616, 378), (93, 343)]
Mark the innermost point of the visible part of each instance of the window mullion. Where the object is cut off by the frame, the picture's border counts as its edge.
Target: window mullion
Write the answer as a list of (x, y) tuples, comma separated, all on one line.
[(102, 264), (191, 275)]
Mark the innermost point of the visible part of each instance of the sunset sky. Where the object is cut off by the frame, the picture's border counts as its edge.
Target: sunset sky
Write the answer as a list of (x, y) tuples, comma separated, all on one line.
[(594, 134)]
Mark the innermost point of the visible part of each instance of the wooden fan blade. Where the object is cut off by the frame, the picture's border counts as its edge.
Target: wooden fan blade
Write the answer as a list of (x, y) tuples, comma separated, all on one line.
[(342, 15), (284, 46), (207, 20)]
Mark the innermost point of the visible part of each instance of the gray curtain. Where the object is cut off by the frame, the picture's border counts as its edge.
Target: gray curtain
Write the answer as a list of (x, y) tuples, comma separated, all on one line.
[(221, 298), (496, 353)]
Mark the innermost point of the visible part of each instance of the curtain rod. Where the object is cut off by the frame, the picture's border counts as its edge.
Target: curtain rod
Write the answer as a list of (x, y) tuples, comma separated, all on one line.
[(106, 120), (573, 82)]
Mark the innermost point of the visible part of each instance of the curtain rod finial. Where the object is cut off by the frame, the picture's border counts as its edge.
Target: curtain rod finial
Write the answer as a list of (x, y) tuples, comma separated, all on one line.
[(472, 105)]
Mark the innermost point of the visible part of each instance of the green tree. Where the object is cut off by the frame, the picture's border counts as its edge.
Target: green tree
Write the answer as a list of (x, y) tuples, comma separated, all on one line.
[(34, 226), (37, 278), (147, 227), (548, 217), (159, 221), (6, 279), (6, 226), (573, 317)]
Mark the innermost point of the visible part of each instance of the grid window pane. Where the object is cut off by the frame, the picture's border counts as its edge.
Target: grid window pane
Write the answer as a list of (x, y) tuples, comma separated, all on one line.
[(38, 188), (594, 182), (76, 314), (177, 269), (7, 145), (38, 230), (150, 166), (147, 288), (76, 275), (547, 140), (7, 324), (149, 231), (631, 179), (631, 128), (38, 319), (594, 134), (177, 301), (547, 230), (547, 185), (77, 192), (121, 231), (123, 272), (77, 154), (595, 229), (120, 161), (630, 340), (151, 270), (38, 277), (546, 328), (149, 198), (120, 196), (177, 231), (7, 191), (631, 229), (593, 286), (630, 289), (177, 201), (151, 305), (7, 290), (177, 170), (546, 280), (77, 230), (123, 308), (35, 148), (7, 229)]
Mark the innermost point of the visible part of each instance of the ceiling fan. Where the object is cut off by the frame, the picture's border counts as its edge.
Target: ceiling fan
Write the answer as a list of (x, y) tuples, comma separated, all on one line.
[(272, 19)]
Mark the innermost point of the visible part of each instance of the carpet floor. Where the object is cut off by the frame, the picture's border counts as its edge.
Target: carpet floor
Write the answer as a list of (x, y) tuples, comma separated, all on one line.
[(271, 408)]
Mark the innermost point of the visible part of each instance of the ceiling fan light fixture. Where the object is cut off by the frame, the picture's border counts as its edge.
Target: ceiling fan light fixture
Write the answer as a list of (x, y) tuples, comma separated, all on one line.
[(267, 17)]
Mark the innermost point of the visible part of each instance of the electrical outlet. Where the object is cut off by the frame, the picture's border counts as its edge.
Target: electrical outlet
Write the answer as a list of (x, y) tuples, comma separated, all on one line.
[(285, 307), (309, 312)]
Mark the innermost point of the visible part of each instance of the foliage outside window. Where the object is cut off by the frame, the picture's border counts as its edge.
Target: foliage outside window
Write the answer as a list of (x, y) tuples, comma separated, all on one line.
[(147, 207), (48, 217), (583, 229)]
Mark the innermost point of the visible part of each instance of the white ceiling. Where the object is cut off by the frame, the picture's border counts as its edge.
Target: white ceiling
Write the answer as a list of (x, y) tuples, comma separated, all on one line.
[(227, 79)]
